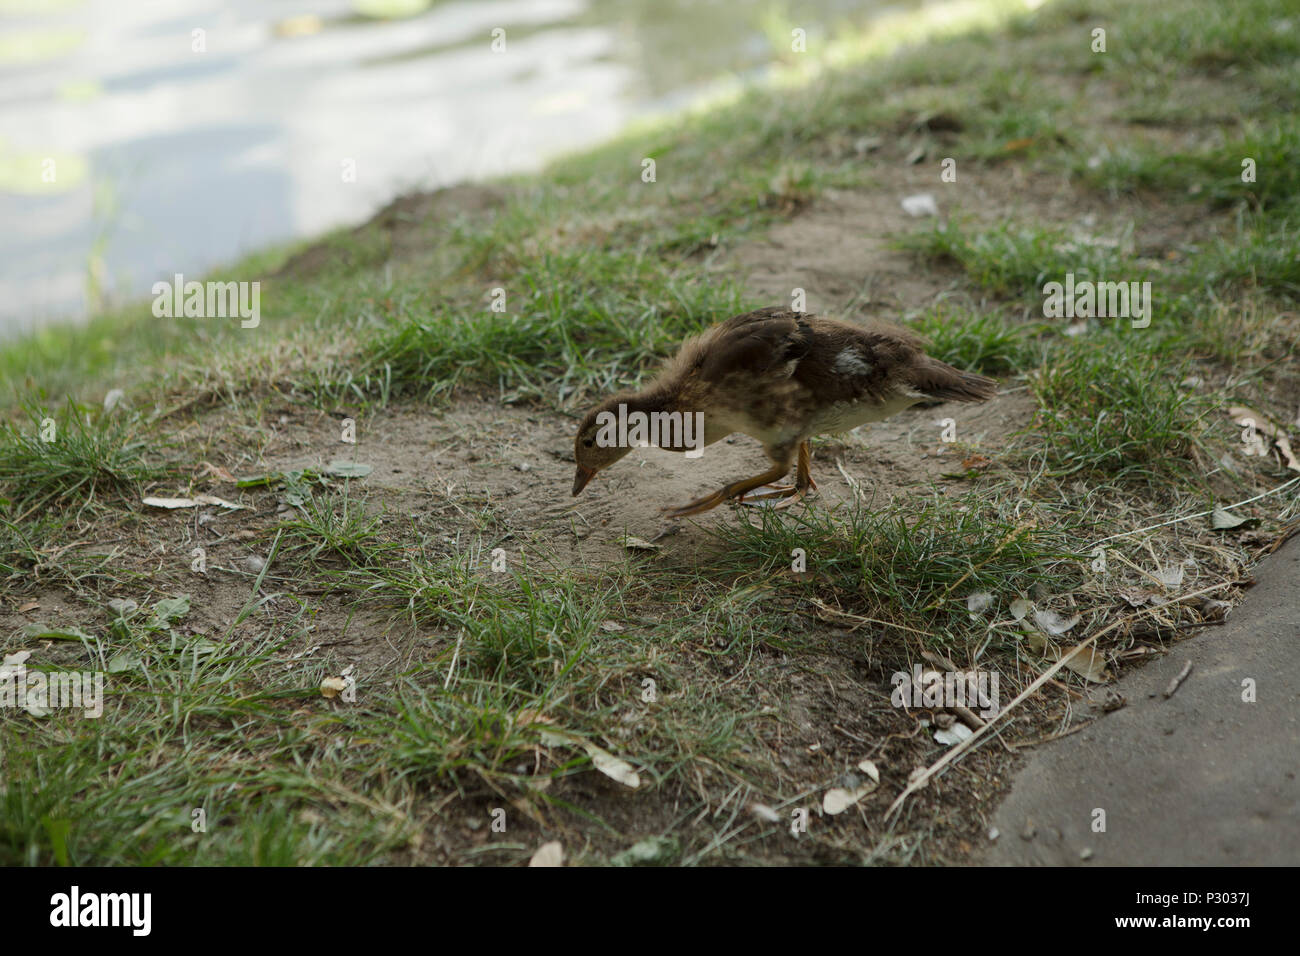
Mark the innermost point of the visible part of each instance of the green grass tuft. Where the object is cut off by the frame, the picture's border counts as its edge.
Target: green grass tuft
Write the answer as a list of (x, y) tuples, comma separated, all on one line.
[(74, 454)]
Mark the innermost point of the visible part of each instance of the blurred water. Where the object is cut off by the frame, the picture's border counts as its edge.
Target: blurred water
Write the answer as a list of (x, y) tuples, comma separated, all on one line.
[(133, 147)]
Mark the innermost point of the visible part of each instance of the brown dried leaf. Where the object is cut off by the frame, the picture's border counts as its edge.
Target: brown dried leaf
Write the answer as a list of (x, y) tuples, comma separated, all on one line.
[(1088, 664)]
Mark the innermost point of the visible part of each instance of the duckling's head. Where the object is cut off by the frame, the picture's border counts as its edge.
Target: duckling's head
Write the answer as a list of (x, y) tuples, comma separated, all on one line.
[(597, 446)]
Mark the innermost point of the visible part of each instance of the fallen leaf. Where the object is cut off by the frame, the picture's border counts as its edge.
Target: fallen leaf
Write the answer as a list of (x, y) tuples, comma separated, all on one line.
[(1088, 664), (838, 799), (1224, 520), (171, 502), (612, 766), (1242, 413), (948, 736), (1013, 145), (1020, 607), (633, 543), (348, 469), (174, 503), (207, 468), (1288, 455), (332, 686), (548, 854), (1053, 623), (14, 660), (29, 606), (1137, 597), (850, 788), (612, 626)]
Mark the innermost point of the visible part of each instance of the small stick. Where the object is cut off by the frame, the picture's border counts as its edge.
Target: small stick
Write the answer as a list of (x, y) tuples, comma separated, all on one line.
[(1174, 684)]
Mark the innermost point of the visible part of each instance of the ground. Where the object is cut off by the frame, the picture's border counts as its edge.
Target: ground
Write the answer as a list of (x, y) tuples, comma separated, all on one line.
[(579, 670)]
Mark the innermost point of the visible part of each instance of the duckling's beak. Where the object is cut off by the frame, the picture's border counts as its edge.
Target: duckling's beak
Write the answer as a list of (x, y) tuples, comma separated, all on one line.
[(580, 480)]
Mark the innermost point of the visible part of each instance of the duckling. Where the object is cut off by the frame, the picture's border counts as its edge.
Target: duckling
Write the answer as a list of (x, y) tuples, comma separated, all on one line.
[(780, 377)]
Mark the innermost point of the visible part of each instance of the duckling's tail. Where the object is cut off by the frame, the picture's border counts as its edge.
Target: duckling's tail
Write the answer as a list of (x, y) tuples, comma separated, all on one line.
[(943, 383)]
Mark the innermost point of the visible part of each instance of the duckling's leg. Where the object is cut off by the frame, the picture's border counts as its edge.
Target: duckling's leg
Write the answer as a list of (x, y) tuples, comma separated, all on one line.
[(803, 477), (736, 488), (803, 482)]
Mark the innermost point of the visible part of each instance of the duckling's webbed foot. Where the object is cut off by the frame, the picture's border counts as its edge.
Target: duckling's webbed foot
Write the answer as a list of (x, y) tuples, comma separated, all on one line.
[(737, 489)]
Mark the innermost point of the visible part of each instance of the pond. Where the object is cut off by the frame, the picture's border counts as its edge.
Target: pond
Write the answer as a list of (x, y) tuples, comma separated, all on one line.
[(142, 139)]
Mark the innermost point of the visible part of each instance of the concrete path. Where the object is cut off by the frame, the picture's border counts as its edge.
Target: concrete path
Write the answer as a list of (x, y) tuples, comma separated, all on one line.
[(1198, 778)]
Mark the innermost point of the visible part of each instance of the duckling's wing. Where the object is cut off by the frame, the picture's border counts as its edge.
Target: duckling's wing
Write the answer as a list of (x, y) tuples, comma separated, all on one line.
[(851, 364), (766, 346)]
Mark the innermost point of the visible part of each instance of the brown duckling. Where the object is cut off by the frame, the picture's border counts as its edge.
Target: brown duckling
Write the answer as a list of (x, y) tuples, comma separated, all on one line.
[(780, 377)]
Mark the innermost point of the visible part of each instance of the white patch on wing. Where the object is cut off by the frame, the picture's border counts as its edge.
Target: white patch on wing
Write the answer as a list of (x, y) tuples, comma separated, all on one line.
[(849, 362)]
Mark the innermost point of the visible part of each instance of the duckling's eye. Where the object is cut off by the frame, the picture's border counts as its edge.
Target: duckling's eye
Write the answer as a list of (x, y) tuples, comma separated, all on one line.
[(589, 442)]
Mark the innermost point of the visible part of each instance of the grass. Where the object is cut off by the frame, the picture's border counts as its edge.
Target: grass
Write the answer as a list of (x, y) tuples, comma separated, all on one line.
[(978, 341), (1017, 261), (1108, 407), (575, 325), (1263, 254), (915, 566), (722, 676), (75, 453), (1253, 168)]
